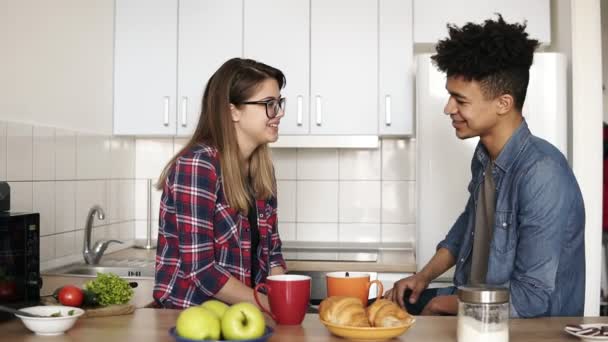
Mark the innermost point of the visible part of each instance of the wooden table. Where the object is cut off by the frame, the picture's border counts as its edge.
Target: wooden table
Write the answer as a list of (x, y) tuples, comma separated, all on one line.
[(148, 325)]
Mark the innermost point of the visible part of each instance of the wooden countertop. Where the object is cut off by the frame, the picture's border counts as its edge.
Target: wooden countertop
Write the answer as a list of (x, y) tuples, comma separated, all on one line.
[(393, 261), (153, 324)]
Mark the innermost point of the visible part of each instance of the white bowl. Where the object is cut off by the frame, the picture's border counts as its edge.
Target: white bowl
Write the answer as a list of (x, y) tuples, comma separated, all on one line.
[(49, 326)]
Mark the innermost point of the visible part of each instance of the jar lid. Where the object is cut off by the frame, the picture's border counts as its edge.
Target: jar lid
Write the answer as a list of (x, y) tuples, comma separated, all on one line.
[(483, 294)]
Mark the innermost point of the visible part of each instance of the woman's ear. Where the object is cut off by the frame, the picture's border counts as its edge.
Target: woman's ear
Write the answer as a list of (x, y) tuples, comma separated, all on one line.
[(235, 112)]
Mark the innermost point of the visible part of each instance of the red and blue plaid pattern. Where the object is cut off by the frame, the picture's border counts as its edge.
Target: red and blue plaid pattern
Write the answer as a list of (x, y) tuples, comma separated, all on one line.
[(202, 241)]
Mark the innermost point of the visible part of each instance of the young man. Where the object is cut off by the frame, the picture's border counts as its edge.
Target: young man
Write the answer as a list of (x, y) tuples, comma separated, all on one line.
[(523, 225)]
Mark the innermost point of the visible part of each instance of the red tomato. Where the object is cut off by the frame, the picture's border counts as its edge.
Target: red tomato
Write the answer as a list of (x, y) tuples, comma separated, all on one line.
[(71, 296)]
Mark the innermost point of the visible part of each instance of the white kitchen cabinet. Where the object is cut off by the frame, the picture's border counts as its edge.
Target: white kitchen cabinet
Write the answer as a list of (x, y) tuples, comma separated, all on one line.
[(144, 68), (210, 33), (396, 68), (431, 16), (344, 67), (277, 32), (155, 91)]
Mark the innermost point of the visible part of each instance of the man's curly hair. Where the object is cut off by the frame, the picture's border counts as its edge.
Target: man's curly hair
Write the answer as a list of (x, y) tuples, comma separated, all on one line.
[(496, 54)]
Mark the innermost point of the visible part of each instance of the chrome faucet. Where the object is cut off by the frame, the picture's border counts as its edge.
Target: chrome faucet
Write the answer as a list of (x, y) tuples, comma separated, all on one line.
[(92, 256)]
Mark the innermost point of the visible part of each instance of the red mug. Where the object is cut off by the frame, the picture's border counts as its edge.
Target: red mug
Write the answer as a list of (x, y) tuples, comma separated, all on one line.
[(288, 296)]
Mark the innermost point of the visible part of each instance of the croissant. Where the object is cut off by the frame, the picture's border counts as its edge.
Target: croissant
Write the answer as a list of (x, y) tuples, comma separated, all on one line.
[(385, 313), (343, 311)]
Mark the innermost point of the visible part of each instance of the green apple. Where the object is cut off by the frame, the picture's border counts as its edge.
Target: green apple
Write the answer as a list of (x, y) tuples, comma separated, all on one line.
[(216, 306), (198, 323), (243, 321)]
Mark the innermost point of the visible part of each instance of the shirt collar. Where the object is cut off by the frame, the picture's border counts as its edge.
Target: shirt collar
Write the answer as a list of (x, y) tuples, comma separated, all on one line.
[(509, 152)]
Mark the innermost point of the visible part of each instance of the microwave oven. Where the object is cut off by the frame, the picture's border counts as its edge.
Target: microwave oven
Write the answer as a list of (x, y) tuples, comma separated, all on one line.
[(20, 280)]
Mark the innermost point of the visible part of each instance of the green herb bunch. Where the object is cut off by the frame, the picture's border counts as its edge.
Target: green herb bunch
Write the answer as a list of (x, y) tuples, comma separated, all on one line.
[(110, 289)]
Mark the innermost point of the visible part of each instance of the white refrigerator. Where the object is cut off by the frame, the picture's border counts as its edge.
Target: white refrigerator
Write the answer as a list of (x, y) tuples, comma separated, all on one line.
[(443, 160)]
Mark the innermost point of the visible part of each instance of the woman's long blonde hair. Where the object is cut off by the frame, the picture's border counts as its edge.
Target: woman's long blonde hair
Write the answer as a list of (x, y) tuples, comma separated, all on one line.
[(234, 82)]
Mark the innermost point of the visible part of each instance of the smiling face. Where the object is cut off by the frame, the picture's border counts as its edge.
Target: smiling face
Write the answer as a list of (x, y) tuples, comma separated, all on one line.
[(253, 126), (471, 113)]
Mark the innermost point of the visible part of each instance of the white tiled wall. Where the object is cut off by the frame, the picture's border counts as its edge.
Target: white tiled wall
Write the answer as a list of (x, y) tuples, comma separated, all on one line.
[(324, 194), (61, 174)]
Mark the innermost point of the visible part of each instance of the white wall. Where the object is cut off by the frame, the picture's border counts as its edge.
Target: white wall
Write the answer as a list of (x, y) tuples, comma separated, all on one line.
[(56, 63), (587, 135)]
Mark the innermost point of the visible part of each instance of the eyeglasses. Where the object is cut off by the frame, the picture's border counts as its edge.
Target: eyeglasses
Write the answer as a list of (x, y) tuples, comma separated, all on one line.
[(273, 106)]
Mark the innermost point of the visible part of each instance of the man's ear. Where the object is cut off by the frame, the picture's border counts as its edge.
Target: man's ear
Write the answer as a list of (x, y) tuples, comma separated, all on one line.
[(505, 103), (235, 112)]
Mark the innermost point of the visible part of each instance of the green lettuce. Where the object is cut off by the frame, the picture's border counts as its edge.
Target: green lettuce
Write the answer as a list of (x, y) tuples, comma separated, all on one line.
[(110, 289)]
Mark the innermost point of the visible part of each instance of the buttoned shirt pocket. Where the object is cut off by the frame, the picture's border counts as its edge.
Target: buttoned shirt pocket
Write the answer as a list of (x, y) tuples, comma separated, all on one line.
[(504, 237)]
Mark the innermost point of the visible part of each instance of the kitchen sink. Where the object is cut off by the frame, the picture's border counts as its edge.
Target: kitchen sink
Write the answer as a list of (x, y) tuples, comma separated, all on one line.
[(84, 270)]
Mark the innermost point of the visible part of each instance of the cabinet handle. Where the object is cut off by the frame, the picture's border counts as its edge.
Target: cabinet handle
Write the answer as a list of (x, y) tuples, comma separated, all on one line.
[(299, 114), (319, 111), (184, 111), (388, 119), (166, 119)]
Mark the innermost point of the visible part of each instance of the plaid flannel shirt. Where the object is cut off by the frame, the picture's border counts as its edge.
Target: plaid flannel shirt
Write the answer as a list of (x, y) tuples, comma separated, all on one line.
[(202, 241)]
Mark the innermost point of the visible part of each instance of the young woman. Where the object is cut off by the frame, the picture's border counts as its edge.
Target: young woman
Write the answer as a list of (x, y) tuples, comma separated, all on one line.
[(218, 234)]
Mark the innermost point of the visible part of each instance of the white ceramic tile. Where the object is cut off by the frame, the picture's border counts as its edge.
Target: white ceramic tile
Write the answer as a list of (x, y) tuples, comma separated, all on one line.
[(88, 194), (2, 150), (127, 199), (286, 201), (44, 153), (141, 229), (21, 196), (359, 201), (178, 144), (287, 231), (398, 202), (398, 159), (113, 231), (65, 206), (100, 233), (113, 201), (47, 248), (65, 155), (19, 152), (122, 157), (284, 161), (360, 164), (127, 231), (151, 156), (317, 164), (79, 241), (317, 231), (359, 232), (65, 244), (93, 156), (317, 201), (398, 232), (141, 200), (44, 203)]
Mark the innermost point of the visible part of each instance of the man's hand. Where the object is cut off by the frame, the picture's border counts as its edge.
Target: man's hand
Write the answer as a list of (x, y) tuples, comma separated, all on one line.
[(441, 305), (416, 283)]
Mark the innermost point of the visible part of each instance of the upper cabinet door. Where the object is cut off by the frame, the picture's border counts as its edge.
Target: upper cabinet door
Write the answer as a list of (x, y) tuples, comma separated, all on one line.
[(396, 79), (431, 16), (144, 67), (344, 67), (210, 33), (277, 33)]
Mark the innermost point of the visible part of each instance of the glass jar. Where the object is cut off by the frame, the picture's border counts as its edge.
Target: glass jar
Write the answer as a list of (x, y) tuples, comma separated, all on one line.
[(483, 314)]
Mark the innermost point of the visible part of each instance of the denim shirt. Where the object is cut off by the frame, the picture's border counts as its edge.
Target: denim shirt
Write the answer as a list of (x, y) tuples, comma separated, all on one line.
[(538, 243)]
